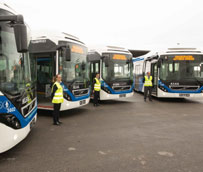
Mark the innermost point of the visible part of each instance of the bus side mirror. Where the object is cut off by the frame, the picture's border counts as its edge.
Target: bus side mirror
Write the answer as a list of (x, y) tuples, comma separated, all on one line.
[(67, 53), (20, 32), (83, 66), (159, 63), (106, 61)]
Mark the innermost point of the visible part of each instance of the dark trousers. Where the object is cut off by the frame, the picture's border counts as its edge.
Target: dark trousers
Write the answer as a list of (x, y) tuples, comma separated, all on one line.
[(57, 107), (96, 97), (146, 90)]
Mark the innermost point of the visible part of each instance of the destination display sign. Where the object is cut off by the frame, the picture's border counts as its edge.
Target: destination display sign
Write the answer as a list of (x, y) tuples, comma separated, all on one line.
[(119, 57), (183, 57), (77, 49)]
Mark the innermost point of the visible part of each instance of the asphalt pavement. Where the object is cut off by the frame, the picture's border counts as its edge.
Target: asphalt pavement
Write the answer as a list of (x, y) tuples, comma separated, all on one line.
[(128, 135)]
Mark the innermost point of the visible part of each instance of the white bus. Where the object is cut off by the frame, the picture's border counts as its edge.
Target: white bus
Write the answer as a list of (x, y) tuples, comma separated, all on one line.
[(116, 71), (18, 108), (61, 53), (177, 72)]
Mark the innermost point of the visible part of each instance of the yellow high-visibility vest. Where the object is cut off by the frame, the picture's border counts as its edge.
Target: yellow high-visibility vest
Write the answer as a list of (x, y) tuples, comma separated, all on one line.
[(148, 81), (58, 96), (29, 93), (97, 85)]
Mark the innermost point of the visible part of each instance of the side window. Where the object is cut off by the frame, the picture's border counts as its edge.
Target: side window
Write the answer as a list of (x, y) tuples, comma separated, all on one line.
[(164, 71), (148, 67), (96, 67), (176, 65), (170, 67), (104, 70), (92, 67), (138, 70)]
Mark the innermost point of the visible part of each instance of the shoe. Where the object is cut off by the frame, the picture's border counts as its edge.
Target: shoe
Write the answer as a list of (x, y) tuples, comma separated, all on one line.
[(97, 104), (94, 105), (60, 122), (56, 123)]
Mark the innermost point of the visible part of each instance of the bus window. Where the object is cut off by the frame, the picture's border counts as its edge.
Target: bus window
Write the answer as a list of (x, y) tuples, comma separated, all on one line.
[(104, 71), (96, 67), (176, 66), (148, 67), (164, 71), (92, 67), (170, 67), (197, 71)]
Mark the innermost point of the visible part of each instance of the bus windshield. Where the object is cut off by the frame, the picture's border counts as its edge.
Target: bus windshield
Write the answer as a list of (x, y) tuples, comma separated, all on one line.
[(75, 70), (181, 68), (14, 67), (116, 67)]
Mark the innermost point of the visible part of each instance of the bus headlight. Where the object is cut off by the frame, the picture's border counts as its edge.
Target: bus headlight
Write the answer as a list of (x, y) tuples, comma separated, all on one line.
[(66, 96), (106, 90), (163, 89), (10, 120)]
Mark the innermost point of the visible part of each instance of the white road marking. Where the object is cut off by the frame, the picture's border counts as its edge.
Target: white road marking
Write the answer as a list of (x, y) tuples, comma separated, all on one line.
[(71, 149), (168, 154), (102, 153)]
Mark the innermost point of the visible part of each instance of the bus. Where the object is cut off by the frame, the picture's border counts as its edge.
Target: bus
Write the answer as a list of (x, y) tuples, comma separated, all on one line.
[(177, 72), (18, 104), (64, 54), (116, 71)]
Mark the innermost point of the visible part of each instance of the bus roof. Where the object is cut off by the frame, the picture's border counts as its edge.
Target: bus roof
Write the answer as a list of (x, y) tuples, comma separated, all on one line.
[(56, 37), (49, 41), (109, 49), (169, 51), (6, 7)]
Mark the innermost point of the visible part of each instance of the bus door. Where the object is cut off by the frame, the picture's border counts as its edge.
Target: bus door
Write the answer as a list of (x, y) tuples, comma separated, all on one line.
[(45, 73), (94, 68), (154, 73)]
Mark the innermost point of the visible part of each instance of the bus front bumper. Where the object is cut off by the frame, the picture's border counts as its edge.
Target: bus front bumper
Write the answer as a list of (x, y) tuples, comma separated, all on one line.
[(106, 96), (11, 137), (178, 95), (73, 104)]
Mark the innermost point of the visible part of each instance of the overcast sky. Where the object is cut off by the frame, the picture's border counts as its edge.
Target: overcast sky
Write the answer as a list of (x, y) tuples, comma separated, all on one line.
[(137, 24)]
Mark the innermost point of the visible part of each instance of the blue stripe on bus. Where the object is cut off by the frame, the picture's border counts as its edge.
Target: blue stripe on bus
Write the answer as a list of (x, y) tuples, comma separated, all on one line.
[(73, 98), (11, 109), (137, 59), (104, 84), (179, 91)]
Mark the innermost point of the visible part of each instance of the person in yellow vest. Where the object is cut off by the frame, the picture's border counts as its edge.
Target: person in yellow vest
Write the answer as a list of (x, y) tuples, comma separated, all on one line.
[(96, 90), (147, 86), (29, 93), (57, 99)]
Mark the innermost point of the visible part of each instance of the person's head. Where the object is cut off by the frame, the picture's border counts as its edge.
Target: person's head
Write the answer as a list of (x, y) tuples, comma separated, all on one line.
[(148, 73), (97, 75), (58, 78)]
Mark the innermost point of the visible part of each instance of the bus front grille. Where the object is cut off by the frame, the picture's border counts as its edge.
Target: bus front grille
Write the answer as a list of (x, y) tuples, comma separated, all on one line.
[(28, 108), (121, 88), (184, 87), (80, 92)]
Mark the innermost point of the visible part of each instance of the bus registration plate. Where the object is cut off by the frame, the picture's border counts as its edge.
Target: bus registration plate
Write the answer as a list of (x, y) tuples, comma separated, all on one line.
[(122, 95), (184, 95), (82, 102)]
